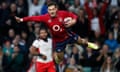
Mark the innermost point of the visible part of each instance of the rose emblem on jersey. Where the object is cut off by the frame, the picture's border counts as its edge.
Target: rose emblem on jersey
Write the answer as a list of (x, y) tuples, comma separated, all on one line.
[(56, 28)]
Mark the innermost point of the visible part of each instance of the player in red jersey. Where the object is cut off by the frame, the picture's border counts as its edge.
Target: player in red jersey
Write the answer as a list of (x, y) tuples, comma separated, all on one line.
[(61, 36)]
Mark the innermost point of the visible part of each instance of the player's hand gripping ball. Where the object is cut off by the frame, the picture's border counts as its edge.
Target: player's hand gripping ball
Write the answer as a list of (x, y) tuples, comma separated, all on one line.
[(67, 20)]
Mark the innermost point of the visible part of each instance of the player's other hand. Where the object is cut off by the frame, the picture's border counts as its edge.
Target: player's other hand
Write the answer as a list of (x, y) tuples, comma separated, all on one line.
[(44, 57), (18, 19), (68, 22)]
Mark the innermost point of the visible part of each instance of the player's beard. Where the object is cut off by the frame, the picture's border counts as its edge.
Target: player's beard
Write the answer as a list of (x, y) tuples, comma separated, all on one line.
[(45, 39)]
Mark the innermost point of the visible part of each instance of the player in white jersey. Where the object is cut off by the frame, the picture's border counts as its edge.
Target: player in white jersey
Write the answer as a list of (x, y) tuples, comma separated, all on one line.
[(42, 48)]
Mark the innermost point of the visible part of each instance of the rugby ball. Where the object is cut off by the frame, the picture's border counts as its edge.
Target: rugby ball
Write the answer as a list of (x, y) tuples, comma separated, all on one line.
[(67, 19)]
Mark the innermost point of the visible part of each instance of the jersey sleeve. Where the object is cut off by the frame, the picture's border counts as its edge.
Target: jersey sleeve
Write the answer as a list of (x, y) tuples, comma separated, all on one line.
[(70, 14), (36, 44), (41, 18)]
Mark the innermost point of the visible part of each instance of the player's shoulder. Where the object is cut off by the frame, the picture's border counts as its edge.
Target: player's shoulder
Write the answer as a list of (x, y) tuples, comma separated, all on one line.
[(62, 11), (49, 39), (36, 41), (46, 16)]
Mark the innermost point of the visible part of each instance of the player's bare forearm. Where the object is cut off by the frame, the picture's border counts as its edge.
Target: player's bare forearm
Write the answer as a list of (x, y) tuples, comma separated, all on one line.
[(31, 18), (33, 51)]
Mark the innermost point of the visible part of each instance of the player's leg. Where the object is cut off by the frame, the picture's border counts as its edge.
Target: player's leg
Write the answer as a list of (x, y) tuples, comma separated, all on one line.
[(58, 56), (32, 68), (40, 67), (85, 42), (51, 67), (80, 40), (59, 51)]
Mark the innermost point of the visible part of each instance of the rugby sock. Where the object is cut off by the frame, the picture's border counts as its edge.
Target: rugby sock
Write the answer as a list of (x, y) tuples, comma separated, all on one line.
[(93, 46)]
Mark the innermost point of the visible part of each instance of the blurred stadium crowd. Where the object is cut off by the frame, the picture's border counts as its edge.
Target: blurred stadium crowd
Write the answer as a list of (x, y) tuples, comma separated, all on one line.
[(98, 21)]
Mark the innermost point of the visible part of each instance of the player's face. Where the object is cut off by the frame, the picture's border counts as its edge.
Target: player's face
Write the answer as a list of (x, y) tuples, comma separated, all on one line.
[(52, 10), (43, 34)]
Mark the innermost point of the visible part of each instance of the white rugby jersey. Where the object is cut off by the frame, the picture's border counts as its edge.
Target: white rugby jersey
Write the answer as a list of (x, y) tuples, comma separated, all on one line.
[(45, 48)]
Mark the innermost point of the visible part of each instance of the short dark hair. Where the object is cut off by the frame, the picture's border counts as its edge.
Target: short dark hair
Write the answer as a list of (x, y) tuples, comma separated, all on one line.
[(43, 28), (52, 3)]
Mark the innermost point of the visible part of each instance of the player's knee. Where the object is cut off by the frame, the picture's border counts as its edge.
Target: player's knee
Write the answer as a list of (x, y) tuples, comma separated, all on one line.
[(79, 40)]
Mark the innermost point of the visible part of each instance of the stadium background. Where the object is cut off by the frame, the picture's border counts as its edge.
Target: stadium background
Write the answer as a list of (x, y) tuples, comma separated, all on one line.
[(100, 23)]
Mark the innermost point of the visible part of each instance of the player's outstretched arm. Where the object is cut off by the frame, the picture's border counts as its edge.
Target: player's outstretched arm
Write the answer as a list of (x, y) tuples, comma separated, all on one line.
[(31, 18), (18, 19)]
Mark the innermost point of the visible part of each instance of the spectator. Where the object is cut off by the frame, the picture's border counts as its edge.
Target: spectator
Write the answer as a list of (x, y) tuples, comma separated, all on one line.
[(96, 37), (13, 10), (33, 36), (20, 42), (115, 29), (110, 17), (24, 40), (35, 7), (100, 57), (11, 34), (114, 3), (29, 27), (24, 37), (82, 3), (116, 59), (63, 4), (108, 65), (15, 42), (95, 18), (10, 22), (72, 64), (61, 67), (37, 25), (22, 8), (8, 50), (3, 61), (93, 4), (75, 7), (4, 12), (111, 42), (88, 60), (75, 54), (82, 25), (16, 64)]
